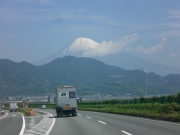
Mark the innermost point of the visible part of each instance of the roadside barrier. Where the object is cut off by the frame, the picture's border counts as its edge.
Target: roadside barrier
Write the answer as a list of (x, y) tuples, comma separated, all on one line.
[(30, 113)]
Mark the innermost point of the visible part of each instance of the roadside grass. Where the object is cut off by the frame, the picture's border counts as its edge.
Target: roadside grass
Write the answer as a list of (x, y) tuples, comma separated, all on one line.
[(25, 111), (149, 110), (162, 108)]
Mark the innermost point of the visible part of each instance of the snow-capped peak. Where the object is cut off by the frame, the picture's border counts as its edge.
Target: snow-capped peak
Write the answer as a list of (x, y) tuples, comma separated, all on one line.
[(80, 45)]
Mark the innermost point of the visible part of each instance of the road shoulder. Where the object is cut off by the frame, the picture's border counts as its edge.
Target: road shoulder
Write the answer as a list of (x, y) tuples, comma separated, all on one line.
[(42, 123)]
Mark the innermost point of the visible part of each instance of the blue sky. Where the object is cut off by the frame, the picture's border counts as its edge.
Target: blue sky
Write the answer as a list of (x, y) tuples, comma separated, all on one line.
[(33, 29)]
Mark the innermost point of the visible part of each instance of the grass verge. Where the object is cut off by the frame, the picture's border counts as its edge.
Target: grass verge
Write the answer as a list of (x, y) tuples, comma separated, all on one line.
[(170, 112)]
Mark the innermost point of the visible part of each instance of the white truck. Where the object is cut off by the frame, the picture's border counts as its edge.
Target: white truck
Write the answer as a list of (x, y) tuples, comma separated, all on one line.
[(66, 101), (13, 107)]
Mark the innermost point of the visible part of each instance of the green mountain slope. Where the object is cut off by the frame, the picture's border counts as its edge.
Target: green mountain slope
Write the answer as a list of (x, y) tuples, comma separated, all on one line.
[(89, 75)]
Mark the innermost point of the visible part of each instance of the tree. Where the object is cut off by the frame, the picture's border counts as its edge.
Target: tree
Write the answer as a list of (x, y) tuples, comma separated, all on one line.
[(136, 101), (142, 99), (162, 99), (178, 98), (171, 98)]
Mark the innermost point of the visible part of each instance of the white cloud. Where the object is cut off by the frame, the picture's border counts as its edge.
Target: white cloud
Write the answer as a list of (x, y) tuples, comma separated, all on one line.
[(173, 19), (174, 14), (152, 49), (112, 47)]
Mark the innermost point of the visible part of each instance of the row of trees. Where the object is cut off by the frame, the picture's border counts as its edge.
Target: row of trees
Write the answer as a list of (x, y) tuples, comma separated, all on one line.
[(141, 100)]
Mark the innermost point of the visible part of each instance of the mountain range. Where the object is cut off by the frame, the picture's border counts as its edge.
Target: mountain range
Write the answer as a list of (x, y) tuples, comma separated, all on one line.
[(83, 46), (87, 74)]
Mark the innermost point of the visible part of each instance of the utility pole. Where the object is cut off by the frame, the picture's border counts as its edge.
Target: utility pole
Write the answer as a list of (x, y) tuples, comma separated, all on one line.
[(146, 79)]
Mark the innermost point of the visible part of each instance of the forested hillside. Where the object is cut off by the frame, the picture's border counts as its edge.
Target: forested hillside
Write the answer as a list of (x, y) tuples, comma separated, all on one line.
[(89, 75)]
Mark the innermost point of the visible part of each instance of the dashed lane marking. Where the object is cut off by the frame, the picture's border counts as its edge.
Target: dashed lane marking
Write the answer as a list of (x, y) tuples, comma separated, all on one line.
[(101, 122), (126, 132)]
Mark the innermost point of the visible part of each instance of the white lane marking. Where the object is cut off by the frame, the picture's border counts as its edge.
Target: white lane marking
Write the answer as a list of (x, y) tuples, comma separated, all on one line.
[(14, 115), (4, 116), (125, 132), (88, 117), (49, 130), (146, 119), (101, 122), (79, 114), (23, 126)]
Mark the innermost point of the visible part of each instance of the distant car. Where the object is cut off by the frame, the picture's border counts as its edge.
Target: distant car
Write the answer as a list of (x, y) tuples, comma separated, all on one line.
[(1, 111), (43, 107)]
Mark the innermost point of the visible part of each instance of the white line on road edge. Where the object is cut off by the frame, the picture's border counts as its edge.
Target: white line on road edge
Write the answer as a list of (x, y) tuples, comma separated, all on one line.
[(14, 115), (88, 117), (49, 130), (23, 126), (125, 132), (101, 122), (146, 119), (4, 116)]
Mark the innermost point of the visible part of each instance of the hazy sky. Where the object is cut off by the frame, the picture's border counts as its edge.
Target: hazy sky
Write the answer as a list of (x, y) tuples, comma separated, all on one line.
[(33, 29)]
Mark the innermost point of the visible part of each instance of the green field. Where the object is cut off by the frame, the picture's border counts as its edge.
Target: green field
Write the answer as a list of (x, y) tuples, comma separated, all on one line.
[(164, 108)]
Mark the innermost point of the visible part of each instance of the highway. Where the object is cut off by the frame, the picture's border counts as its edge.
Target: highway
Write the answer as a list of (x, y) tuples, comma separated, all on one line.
[(11, 123), (91, 123), (95, 123)]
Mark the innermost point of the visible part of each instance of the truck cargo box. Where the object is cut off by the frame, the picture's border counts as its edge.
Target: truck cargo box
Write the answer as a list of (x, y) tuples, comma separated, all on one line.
[(66, 101)]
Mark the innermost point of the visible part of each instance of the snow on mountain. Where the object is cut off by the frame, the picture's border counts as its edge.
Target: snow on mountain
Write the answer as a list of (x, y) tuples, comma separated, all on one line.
[(79, 46), (123, 60)]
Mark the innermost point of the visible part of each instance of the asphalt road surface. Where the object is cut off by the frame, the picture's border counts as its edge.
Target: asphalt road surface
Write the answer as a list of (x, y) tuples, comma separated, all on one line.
[(11, 124), (95, 123)]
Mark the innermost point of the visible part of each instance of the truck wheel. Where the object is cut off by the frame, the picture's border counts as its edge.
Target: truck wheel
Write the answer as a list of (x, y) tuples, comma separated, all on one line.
[(59, 114)]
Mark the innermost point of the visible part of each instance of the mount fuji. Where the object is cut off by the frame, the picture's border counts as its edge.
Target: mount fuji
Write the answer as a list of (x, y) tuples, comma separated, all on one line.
[(80, 46)]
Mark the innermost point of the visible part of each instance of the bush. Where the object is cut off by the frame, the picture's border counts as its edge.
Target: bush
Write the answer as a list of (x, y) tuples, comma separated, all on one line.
[(171, 98)]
